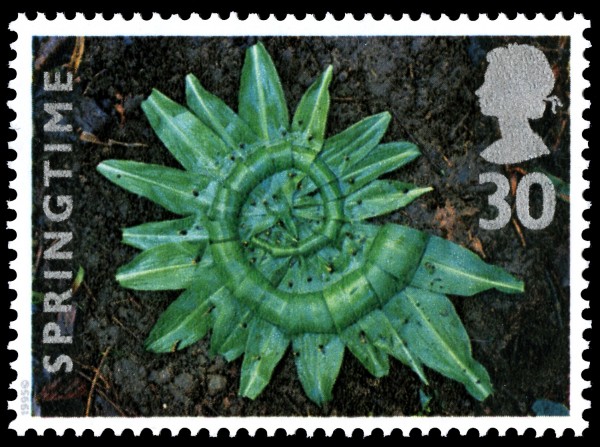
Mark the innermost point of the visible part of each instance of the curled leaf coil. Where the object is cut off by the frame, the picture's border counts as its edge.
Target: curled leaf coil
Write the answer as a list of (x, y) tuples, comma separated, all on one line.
[(276, 249)]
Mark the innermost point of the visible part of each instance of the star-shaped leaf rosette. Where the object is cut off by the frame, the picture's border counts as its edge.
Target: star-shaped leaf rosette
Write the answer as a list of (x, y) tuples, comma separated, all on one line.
[(275, 248)]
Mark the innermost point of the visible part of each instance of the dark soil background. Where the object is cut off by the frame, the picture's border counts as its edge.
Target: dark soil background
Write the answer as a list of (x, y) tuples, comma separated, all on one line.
[(428, 85)]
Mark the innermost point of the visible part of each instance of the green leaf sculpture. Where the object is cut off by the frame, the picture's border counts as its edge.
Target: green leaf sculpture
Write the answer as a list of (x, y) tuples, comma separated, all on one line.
[(275, 248)]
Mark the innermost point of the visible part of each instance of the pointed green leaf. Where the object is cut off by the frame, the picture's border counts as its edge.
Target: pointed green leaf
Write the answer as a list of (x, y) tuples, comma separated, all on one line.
[(447, 267), (433, 332), (284, 185), (374, 359), (262, 103), (265, 347), (165, 267), (151, 234), (382, 335), (381, 197), (191, 142), (354, 143), (308, 212), (375, 199), (318, 361), (175, 190), (230, 325), (561, 187), (271, 267), (78, 281), (397, 249), (383, 158), (256, 224), (217, 115), (311, 115), (187, 319)]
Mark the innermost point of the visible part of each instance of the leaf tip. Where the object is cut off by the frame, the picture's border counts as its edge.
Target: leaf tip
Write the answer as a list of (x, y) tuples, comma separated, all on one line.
[(191, 79), (121, 278), (418, 192), (511, 284), (105, 168), (386, 116), (149, 344), (419, 371), (482, 392), (152, 344), (101, 167), (258, 50), (193, 86), (319, 399), (518, 285), (149, 105), (157, 99)]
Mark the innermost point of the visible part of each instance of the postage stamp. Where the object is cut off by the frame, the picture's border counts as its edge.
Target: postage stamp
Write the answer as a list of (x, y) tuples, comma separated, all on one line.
[(350, 224)]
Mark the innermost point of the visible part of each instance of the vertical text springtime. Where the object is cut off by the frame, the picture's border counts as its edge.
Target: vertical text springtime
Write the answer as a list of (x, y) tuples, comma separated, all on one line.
[(57, 209)]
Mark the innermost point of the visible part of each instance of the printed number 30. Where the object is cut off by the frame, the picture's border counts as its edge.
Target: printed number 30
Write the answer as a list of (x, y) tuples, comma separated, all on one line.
[(504, 212)]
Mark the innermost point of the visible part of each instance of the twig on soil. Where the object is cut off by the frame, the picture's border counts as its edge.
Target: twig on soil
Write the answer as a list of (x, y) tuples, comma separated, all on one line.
[(447, 160), (88, 137), (38, 258), (519, 231), (77, 54), (129, 300), (476, 244), (513, 192), (104, 380), (426, 149), (513, 178), (95, 381), (210, 407), (115, 406), (100, 73), (563, 126), (344, 99), (129, 331), (135, 302), (459, 125), (103, 395), (88, 291)]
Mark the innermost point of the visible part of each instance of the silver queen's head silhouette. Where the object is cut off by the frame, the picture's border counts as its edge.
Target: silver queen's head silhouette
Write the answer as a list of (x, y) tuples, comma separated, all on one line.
[(517, 85)]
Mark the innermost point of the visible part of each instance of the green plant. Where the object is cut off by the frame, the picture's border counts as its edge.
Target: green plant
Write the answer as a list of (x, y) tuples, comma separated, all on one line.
[(276, 249)]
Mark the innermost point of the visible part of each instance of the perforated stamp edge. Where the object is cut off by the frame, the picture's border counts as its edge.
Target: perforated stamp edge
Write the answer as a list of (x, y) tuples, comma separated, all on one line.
[(290, 26)]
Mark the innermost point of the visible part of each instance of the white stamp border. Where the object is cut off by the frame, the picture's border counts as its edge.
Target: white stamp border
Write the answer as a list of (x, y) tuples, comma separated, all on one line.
[(290, 26)]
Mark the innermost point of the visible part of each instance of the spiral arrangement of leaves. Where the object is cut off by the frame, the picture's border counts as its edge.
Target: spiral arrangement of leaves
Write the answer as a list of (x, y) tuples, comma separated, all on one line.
[(276, 247)]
